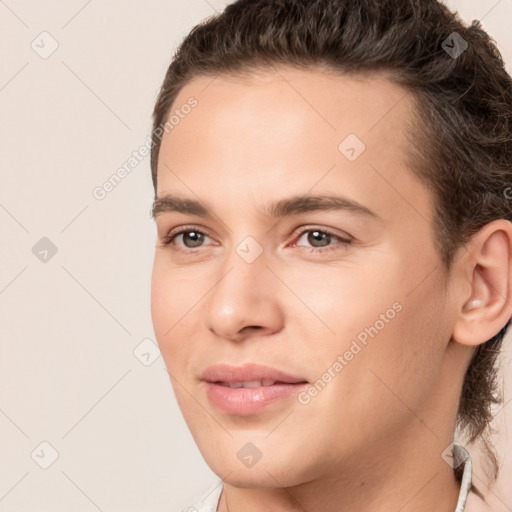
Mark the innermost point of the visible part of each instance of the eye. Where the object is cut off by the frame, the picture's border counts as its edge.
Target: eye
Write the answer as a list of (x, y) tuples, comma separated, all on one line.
[(191, 238), (321, 239)]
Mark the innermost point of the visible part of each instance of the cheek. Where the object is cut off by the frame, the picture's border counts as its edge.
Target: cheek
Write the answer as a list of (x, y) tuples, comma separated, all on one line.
[(346, 301), (160, 300), (171, 295), (170, 305), (396, 361), (169, 308), (382, 334), (375, 388)]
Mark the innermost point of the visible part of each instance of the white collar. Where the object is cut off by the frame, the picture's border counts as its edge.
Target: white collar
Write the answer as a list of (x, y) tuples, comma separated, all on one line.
[(461, 456)]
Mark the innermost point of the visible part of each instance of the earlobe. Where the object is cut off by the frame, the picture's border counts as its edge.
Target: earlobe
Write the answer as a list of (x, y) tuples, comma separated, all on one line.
[(488, 271)]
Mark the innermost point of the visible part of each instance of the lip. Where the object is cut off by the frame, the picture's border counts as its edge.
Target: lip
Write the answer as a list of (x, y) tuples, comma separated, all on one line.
[(247, 401), (247, 372)]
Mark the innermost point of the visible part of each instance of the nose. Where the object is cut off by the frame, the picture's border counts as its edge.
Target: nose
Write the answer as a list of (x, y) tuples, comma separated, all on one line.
[(244, 302)]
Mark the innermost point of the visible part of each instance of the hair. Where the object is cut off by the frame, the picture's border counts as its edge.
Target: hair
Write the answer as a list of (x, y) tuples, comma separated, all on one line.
[(461, 144)]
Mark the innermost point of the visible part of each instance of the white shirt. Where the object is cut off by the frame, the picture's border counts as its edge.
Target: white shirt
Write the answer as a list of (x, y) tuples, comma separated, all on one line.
[(208, 501)]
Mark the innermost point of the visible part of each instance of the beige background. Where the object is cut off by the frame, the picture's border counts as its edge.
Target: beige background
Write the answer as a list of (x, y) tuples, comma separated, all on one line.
[(68, 372)]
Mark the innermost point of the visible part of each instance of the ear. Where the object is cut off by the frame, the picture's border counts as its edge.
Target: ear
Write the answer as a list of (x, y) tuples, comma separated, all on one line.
[(487, 274)]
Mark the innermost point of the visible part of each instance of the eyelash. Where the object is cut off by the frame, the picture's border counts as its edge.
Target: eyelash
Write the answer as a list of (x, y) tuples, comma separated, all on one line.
[(169, 239)]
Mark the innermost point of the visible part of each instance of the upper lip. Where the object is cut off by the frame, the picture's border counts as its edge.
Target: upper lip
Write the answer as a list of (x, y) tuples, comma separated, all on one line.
[(247, 372)]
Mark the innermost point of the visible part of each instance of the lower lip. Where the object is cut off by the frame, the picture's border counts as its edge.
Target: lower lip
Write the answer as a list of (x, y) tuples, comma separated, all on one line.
[(246, 401)]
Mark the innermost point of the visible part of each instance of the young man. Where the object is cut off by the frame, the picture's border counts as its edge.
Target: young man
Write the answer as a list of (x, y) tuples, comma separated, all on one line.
[(332, 277)]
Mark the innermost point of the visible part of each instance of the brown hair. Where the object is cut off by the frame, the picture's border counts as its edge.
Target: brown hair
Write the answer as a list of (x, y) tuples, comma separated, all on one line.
[(461, 148)]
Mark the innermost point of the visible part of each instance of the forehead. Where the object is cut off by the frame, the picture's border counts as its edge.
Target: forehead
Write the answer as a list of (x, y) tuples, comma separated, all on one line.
[(291, 126), (326, 99)]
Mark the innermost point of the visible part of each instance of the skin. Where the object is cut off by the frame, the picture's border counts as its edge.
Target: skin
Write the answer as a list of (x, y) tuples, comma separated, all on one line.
[(372, 439)]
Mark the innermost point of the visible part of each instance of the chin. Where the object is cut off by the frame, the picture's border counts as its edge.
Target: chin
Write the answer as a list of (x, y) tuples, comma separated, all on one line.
[(273, 471)]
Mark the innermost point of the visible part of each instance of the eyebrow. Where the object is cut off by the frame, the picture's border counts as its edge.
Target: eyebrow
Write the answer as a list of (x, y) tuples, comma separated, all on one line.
[(282, 208)]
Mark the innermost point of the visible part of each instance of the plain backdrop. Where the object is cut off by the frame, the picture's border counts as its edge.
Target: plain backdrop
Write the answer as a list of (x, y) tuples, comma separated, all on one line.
[(88, 420)]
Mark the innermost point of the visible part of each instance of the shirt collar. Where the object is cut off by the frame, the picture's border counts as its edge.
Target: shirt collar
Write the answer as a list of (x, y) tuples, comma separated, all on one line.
[(461, 456)]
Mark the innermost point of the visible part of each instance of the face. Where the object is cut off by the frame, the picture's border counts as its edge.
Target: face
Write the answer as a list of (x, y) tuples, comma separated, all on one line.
[(346, 295)]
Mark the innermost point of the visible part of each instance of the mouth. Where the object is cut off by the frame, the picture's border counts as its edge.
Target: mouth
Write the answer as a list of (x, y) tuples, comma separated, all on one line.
[(251, 374), (248, 389), (254, 383)]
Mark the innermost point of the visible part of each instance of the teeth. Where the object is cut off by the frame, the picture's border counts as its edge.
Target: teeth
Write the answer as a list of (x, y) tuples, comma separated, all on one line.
[(252, 384), (249, 383), (233, 385)]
